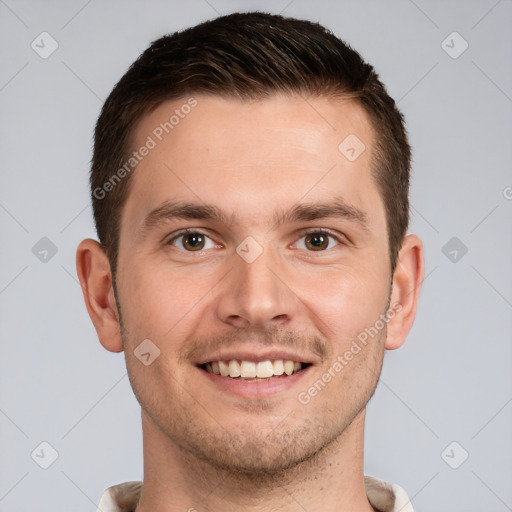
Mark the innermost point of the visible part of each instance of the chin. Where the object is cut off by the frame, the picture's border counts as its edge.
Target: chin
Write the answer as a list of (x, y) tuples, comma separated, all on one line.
[(250, 455)]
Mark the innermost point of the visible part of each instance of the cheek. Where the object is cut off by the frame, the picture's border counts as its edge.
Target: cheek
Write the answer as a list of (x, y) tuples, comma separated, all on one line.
[(156, 304), (347, 302)]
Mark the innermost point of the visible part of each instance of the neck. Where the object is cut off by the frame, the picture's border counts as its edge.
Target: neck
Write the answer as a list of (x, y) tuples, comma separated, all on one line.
[(176, 480)]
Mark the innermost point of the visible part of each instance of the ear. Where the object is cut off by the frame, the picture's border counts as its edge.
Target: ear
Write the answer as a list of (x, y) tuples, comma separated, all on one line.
[(93, 269), (407, 280)]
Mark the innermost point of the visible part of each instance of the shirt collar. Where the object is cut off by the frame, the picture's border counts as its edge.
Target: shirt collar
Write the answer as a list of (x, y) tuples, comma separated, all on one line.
[(382, 495)]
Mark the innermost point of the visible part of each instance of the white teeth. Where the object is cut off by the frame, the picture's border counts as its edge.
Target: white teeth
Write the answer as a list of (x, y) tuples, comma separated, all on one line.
[(264, 369), (251, 369), (224, 369), (288, 367), (248, 369), (234, 368), (278, 367)]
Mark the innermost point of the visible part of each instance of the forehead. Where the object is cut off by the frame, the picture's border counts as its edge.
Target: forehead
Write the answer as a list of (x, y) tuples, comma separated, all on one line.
[(307, 124), (250, 156)]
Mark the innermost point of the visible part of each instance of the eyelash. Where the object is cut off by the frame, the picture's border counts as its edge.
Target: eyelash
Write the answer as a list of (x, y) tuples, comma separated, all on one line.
[(317, 231)]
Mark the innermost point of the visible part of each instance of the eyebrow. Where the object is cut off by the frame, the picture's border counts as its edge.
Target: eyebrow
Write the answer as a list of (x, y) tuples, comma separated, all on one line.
[(174, 209), (337, 208)]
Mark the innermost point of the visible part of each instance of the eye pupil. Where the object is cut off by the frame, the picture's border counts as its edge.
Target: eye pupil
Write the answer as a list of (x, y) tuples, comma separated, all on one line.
[(193, 241), (317, 241)]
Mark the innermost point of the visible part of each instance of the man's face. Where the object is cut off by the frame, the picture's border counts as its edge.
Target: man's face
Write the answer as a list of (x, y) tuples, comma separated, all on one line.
[(257, 283)]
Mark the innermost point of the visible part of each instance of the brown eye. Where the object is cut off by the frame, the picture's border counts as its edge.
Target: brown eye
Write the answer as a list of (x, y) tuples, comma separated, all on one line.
[(192, 241), (317, 241)]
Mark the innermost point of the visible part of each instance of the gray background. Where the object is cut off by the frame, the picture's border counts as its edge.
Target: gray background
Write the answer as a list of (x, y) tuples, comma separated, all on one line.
[(450, 382)]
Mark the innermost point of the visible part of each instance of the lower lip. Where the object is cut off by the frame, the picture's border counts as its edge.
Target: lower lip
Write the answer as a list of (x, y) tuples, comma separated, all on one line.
[(255, 389)]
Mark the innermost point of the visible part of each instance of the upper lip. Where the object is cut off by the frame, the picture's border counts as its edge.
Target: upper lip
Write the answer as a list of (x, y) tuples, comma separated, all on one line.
[(265, 354)]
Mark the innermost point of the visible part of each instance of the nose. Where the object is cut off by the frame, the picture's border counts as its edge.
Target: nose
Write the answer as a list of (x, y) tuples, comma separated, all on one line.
[(257, 294)]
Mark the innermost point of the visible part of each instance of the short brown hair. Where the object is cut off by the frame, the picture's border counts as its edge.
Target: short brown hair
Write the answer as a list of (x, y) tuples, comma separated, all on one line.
[(247, 56)]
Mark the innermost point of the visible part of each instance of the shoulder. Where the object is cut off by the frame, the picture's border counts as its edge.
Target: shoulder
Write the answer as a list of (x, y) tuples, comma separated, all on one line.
[(121, 497), (386, 496)]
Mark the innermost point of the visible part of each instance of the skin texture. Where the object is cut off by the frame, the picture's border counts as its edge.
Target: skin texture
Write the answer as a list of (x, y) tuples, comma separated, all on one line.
[(214, 448)]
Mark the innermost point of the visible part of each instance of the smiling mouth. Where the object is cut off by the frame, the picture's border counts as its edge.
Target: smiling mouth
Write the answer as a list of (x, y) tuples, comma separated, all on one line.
[(254, 371)]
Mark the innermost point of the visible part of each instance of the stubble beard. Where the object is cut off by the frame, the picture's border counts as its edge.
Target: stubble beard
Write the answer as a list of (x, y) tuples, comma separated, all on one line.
[(249, 455)]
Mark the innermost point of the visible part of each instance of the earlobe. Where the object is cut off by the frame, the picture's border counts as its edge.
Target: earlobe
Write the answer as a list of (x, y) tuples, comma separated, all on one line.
[(93, 269), (407, 280)]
